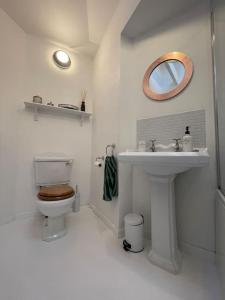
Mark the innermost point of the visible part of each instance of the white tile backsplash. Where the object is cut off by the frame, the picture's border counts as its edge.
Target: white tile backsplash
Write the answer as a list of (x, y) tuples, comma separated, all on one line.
[(165, 128)]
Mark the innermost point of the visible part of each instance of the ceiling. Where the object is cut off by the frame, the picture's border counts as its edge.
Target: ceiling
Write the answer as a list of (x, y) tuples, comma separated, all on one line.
[(152, 13), (78, 24)]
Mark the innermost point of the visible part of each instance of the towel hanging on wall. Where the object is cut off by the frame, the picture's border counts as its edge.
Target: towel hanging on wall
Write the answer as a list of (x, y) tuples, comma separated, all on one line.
[(110, 178)]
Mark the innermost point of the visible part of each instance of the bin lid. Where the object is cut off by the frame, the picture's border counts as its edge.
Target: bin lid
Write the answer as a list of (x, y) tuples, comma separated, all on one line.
[(133, 219)]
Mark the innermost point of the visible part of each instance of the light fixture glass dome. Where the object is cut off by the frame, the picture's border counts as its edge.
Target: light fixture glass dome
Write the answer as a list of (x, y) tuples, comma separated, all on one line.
[(62, 59)]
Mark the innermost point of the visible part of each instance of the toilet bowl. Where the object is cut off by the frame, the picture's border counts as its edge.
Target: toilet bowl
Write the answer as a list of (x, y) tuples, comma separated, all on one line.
[(55, 208), (54, 213), (55, 197)]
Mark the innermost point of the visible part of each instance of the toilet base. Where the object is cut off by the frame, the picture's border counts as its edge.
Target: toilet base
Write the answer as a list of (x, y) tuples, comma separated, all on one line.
[(53, 228)]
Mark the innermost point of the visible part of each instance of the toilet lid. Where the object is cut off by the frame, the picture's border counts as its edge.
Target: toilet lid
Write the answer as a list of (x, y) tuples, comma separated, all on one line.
[(55, 192)]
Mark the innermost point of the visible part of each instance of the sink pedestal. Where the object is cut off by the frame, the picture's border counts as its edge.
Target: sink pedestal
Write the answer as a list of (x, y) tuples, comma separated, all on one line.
[(164, 251)]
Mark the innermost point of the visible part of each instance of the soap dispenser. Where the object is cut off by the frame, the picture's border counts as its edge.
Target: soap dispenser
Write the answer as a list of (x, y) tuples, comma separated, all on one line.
[(187, 141)]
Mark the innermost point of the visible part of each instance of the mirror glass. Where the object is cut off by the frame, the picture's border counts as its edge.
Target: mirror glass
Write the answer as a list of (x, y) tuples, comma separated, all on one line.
[(166, 76)]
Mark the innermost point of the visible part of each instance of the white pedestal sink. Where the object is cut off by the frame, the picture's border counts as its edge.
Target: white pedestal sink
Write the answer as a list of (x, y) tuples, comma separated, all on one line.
[(162, 168)]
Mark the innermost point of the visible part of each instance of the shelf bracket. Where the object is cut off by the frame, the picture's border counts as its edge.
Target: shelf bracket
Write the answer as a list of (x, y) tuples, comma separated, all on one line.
[(35, 113), (81, 121)]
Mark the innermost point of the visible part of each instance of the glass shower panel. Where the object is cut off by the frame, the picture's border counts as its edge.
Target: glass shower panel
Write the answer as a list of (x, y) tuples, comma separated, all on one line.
[(219, 64)]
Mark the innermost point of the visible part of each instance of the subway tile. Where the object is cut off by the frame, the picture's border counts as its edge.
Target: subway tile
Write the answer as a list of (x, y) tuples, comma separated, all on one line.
[(165, 128)]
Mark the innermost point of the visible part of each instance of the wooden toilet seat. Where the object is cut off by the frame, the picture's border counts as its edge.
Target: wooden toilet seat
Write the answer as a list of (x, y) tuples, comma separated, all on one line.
[(55, 192)]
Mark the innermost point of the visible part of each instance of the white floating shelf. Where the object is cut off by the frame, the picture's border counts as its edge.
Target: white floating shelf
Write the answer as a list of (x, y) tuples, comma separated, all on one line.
[(42, 107)]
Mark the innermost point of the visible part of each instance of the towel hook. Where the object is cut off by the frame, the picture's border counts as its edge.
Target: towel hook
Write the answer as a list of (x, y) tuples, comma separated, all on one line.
[(112, 146)]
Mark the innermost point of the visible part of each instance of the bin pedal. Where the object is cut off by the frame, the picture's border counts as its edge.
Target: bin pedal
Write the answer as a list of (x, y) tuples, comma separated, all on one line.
[(126, 246)]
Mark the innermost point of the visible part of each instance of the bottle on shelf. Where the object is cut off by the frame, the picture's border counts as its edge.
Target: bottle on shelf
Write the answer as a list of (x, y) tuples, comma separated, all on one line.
[(83, 98), (82, 108)]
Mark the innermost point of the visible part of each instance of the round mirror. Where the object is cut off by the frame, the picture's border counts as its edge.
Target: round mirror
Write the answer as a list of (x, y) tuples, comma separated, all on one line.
[(167, 76)]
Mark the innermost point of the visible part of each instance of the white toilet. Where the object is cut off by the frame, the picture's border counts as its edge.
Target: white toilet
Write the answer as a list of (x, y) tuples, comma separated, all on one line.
[(56, 197)]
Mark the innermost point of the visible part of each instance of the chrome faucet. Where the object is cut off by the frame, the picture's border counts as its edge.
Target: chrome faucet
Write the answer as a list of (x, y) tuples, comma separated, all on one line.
[(177, 145), (152, 147)]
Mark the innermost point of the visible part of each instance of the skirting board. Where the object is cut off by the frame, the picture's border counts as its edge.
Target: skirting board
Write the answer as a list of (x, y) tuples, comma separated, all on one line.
[(19, 216), (197, 252), (105, 220), (7, 220), (23, 215), (120, 233), (27, 215)]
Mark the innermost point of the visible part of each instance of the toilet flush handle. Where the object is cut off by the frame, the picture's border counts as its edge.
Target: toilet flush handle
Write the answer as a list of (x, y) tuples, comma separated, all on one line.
[(69, 162)]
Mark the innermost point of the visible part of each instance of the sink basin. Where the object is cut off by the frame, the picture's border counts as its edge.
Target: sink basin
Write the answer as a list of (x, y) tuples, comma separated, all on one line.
[(165, 163), (162, 168)]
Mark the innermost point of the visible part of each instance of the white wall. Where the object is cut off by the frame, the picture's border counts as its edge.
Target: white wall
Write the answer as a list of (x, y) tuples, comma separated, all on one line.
[(53, 133), (27, 70), (106, 106), (195, 190), (12, 75)]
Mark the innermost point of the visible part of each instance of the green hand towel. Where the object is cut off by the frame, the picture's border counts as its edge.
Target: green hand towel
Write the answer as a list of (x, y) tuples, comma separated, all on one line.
[(110, 178)]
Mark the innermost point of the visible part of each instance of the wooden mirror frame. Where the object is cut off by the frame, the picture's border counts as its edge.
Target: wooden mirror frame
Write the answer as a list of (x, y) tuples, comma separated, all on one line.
[(188, 66)]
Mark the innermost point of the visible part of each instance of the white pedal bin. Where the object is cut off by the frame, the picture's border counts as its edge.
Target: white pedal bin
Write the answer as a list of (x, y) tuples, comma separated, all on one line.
[(134, 226)]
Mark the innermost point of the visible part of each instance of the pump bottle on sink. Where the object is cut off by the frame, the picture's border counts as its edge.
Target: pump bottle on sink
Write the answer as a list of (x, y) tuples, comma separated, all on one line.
[(187, 141)]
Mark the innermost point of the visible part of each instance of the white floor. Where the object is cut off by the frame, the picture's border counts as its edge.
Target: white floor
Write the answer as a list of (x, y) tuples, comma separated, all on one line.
[(89, 263)]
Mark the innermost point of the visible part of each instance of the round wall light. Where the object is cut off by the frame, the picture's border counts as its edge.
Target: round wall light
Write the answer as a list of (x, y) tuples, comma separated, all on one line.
[(62, 59)]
